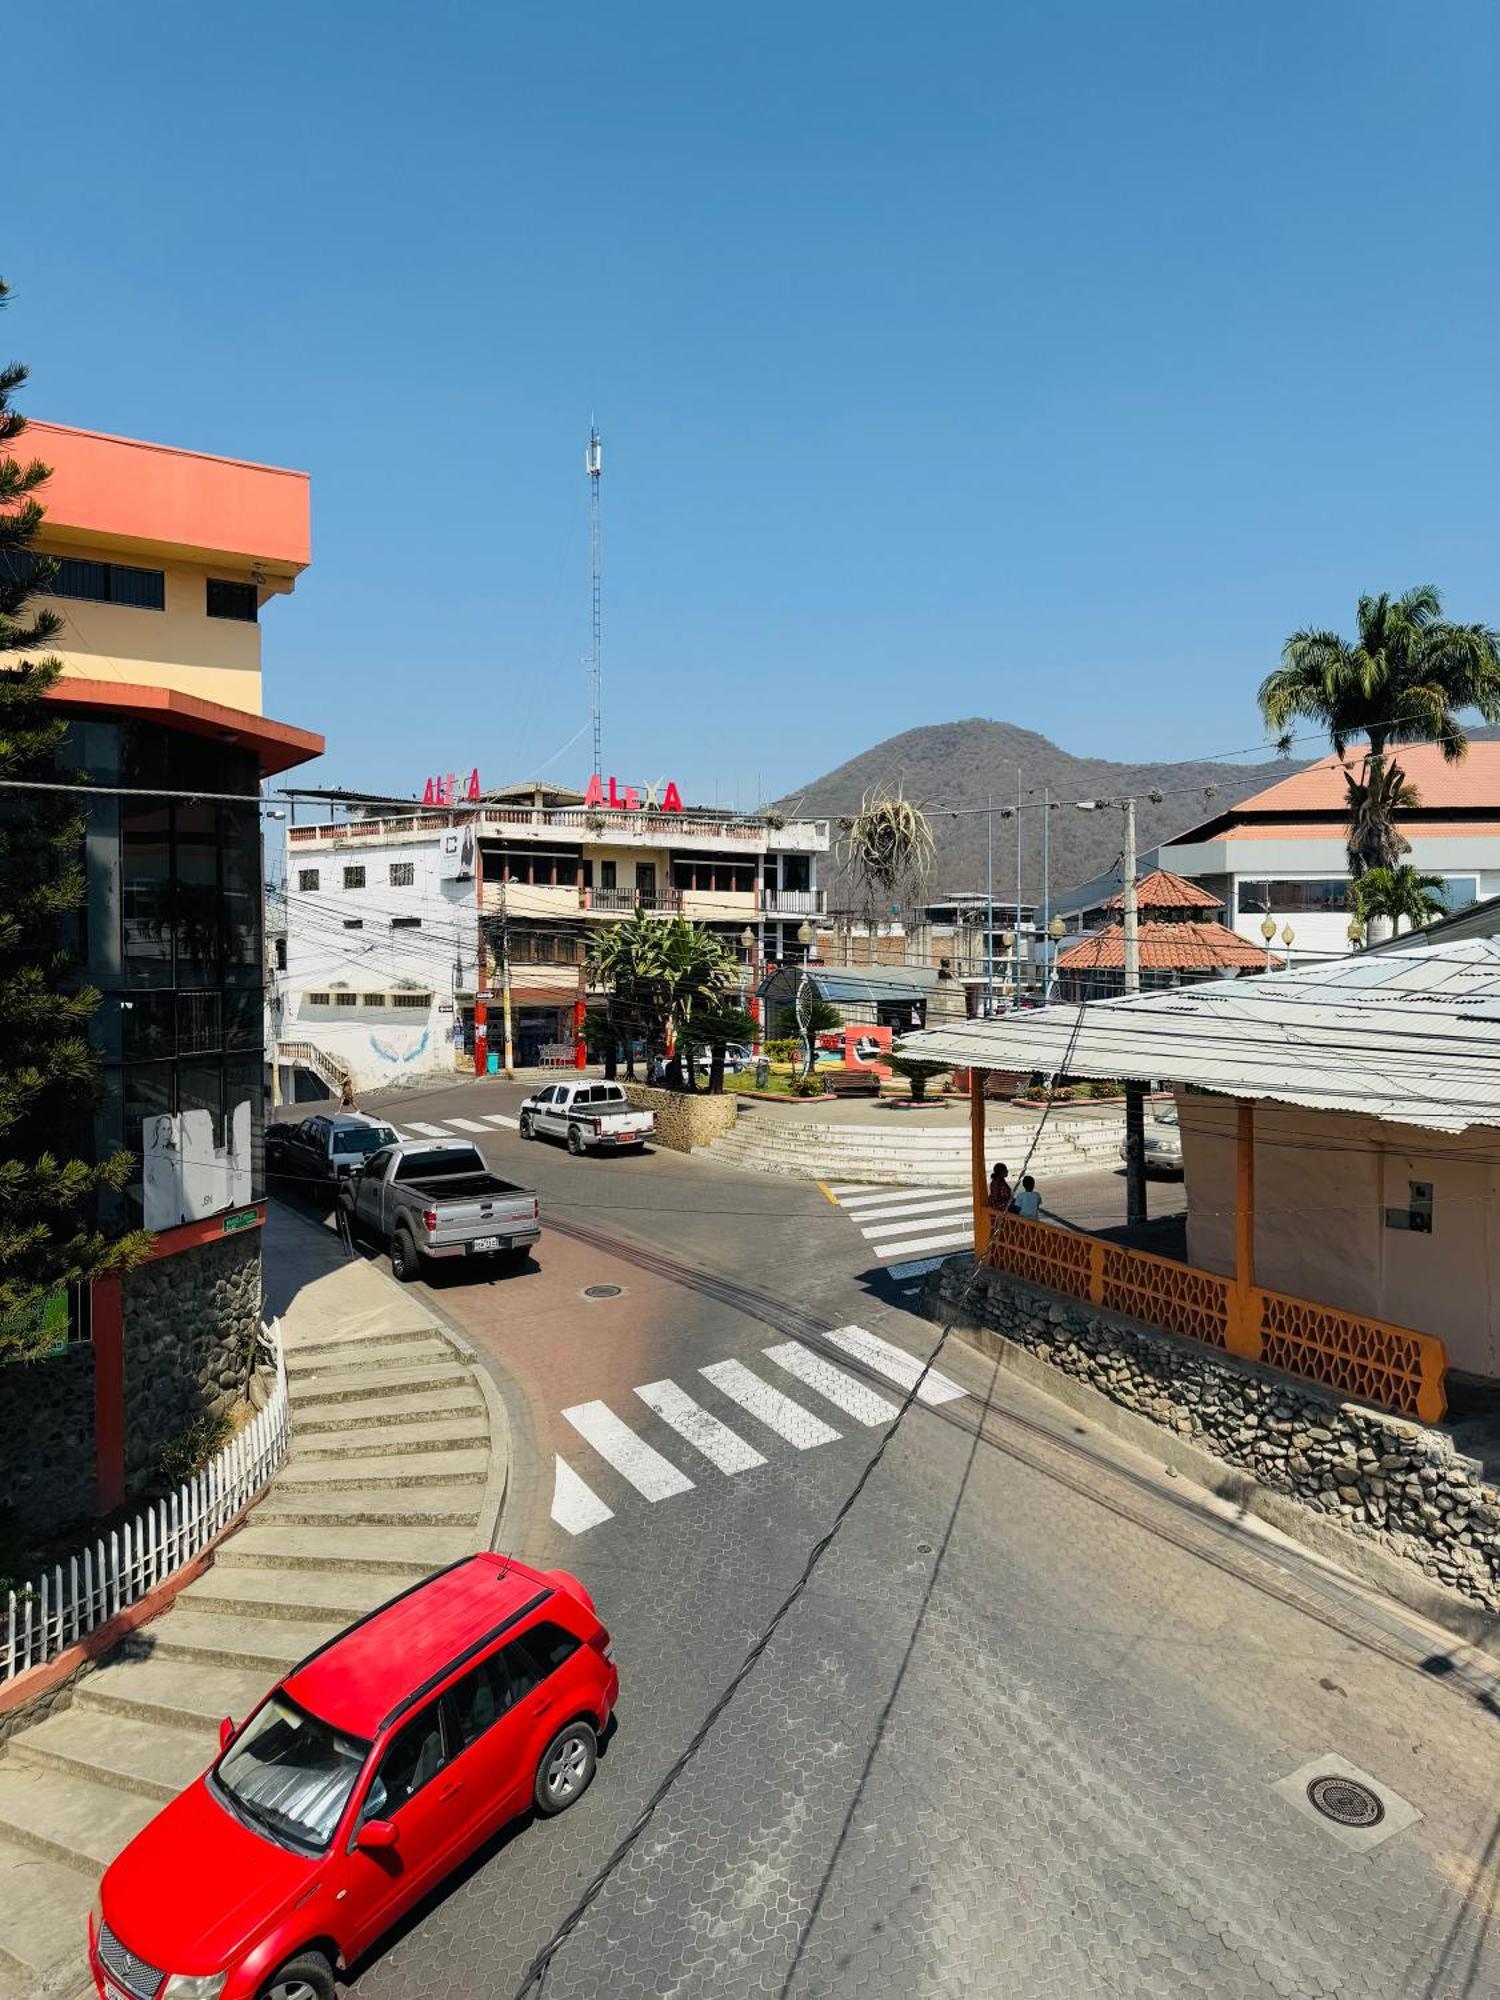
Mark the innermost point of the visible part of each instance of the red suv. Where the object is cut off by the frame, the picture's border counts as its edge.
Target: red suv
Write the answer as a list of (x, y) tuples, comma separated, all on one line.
[(361, 1780)]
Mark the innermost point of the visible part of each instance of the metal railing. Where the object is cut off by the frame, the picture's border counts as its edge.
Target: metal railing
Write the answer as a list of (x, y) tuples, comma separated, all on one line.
[(662, 828), (307, 1055), (616, 902), (1393, 1367), (796, 902), (69, 1600)]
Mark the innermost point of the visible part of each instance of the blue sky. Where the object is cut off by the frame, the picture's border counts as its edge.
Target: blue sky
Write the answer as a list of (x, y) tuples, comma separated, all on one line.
[(1045, 362)]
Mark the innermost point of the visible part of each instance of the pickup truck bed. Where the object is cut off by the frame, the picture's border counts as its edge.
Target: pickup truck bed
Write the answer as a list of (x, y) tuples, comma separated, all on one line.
[(404, 1199)]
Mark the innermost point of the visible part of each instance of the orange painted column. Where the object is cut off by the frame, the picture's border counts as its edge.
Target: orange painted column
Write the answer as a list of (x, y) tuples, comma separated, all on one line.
[(979, 1172), (1242, 1333), (108, 1326)]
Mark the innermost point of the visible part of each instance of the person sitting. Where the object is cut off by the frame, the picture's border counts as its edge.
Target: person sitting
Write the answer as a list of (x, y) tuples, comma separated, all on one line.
[(1027, 1201), (1002, 1194)]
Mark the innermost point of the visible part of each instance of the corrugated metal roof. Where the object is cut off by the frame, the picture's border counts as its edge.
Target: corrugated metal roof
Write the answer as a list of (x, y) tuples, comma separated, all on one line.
[(1410, 1036), (858, 989)]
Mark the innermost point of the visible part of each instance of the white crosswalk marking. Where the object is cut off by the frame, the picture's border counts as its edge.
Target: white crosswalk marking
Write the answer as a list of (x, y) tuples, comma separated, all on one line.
[(499, 1118), (648, 1472), (930, 1204), (717, 1442), (913, 1225), (431, 1131), (841, 1189), (853, 1398), (894, 1363), (873, 1200), (960, 1239), (464, 1125), (777, 1412), (575, 1506)]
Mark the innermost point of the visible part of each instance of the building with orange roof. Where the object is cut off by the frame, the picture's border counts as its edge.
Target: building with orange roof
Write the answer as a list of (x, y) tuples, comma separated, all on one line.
[(1179, 936), (1281, 852), (165, 560)]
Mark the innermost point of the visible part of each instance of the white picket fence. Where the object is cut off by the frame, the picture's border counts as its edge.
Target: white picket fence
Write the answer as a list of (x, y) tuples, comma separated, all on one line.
[(70, 1600)]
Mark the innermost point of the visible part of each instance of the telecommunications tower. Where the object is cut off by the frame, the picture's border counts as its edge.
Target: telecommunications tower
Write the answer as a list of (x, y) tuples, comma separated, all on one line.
[(594, 461)]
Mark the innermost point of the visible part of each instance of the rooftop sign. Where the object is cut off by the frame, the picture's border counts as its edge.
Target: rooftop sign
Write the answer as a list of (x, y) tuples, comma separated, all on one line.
[(655, 798)]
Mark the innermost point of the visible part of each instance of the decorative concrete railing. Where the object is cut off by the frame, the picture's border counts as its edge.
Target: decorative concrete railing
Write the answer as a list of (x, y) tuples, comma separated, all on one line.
[(1366, 1359), (67, 1602), (307, 1055)]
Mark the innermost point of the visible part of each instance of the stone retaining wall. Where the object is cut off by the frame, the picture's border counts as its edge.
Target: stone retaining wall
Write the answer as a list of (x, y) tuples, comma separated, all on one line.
[(683, 1121), (191, 1327), (47, 1424), (1394, 1481)]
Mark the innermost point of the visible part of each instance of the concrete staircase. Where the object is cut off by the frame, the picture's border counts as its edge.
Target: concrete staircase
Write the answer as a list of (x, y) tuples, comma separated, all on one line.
[(397, 1466), (914, 1155)]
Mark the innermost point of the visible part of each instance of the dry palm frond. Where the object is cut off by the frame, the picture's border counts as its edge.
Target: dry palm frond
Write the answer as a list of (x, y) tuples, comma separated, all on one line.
[(888, 844)]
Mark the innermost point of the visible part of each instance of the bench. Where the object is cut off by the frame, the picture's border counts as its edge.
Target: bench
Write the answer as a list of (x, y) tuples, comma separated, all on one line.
[(851, 1083)]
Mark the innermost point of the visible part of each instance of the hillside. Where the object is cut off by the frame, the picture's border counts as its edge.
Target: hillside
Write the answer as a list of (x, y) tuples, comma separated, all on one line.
[(958, 764)]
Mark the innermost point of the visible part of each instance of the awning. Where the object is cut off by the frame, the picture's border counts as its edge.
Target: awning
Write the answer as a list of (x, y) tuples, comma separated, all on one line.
[(1412, 1037)]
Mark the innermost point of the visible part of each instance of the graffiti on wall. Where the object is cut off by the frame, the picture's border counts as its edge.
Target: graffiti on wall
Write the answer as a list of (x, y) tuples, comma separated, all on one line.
[(187, 1173)]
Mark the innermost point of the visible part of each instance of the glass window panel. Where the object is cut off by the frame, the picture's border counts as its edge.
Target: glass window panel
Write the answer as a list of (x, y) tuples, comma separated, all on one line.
[(245, 1083), (198, 907), (146, 896), (148, 1025), (200, 1022), (239, 828), (200, 1087), (244, 1018)]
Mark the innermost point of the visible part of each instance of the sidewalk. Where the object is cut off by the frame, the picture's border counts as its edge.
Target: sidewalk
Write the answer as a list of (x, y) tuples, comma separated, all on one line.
[(399, 1460)]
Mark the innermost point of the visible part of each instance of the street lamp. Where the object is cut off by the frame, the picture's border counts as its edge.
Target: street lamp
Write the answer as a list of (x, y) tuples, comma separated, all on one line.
[(1355, 933), (1288, 937), (1268, 931), (804, 935)]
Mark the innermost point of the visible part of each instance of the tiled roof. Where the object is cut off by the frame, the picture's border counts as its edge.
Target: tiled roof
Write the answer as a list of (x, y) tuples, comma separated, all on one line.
[(1174, 947), (1162, 890), (1333, 830), (1473, 781)]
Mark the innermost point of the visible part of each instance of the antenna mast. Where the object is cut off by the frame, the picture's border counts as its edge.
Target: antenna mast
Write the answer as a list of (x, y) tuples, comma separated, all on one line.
[(594, 461)]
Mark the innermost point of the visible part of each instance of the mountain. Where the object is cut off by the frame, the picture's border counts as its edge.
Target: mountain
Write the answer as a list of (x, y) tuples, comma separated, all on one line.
[(947, 766)]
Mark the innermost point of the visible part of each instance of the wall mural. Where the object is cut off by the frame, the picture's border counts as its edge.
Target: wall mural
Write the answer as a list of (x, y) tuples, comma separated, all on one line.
[(188, 1176), (388, 1054)]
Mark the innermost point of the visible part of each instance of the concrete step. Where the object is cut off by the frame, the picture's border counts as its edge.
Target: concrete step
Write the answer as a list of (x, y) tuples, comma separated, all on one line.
[(462, 1399), (151, 1761), (413, 1352), (333, 1342), (287, 1601), (79, 1824), (423, 1437), (369, 1474), (321, 1394), (393, 1507), (264, 1647), (352, 1547), (46, 1917), (177, 1694)]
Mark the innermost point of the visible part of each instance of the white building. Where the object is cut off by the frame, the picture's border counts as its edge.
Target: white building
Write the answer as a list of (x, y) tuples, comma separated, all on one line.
[(1281, 852), (387, 916)]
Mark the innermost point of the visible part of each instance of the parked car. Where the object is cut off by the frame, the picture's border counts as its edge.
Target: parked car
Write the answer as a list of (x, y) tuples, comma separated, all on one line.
[(591, 1117), (359, 1782), (325, 1148), (1162, 1141), (435, 1201)]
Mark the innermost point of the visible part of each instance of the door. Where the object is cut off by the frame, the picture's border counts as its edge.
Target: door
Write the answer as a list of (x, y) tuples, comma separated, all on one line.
[(489, 1735), (547, 1109), (645, 884), (368, 1187), (545, 1690), (417, 1791)]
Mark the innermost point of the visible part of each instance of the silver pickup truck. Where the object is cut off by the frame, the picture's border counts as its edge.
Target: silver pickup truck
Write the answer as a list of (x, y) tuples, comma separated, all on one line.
[(438, 1200)]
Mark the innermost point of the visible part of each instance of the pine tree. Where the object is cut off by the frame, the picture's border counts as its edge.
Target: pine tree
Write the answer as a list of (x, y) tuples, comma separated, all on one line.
[(48, 1071)]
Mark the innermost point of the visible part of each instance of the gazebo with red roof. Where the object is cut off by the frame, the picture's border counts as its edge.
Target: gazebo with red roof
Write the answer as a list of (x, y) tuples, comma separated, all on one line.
[(1180, 940)]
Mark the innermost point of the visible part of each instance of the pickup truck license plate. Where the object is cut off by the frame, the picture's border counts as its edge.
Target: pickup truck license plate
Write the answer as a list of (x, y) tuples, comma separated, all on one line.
[(485, 1243)]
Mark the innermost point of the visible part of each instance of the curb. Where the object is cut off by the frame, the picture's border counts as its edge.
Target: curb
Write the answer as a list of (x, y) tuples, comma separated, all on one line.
[(1368, 1563)]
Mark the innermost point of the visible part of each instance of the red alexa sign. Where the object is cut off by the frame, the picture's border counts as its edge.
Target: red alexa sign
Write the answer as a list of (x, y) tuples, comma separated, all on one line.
[(444, 792), (656, 797)]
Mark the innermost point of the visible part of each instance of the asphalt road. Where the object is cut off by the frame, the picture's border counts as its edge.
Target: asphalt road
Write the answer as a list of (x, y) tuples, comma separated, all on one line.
[(1021, 1734)]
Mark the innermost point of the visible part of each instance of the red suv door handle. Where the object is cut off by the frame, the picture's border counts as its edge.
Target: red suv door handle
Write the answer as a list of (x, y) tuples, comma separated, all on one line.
[(542, 1707), (452, 1791)]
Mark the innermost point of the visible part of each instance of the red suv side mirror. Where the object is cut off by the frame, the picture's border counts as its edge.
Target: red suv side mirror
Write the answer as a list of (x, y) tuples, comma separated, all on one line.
[(377, 1836), (226, 1732)]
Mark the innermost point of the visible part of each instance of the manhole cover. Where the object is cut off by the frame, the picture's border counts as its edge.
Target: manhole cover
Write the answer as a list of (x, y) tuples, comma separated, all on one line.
[(602, 1291), (1347, 1802)]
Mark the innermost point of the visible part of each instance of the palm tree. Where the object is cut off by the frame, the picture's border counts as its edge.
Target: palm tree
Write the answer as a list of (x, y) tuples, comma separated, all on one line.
[(625, 959), (1406, 679), (696, 968), (1394, 894)]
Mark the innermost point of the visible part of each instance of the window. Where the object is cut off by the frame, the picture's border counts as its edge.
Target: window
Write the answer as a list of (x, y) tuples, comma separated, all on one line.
[(548, 1645), (317, 999), (372, 999), (354, 877), (1459, 891), (412, 1000), (307, 879), (606, 875), (478, 1700), (346, 999), (405, 923), (1287, 898), (403, 874), (292, 1774), (413, 1760), (233, 600), (96, 582), (354, 923)]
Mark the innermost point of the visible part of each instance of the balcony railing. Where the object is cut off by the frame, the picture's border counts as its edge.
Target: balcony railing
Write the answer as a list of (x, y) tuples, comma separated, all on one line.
[(1393, 1367), (621, 902), (795, 902), (638, 828)]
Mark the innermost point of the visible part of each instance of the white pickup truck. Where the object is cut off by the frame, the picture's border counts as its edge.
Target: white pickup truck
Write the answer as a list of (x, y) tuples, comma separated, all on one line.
[(592, 1117)]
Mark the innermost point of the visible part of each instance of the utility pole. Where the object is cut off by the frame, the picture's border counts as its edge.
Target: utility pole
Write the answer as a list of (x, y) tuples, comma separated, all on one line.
[(1015, 997), (510, 1053), (594, 462), (1046, 894), (1132, 930), (989, 918)]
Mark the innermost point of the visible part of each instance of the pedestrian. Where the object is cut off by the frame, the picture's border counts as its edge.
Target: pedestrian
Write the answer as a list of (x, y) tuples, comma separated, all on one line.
[(1002, 1194), (1028, 1202)]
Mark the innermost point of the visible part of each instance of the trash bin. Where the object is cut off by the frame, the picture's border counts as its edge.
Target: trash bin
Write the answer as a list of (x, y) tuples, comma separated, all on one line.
[(492, 1066)]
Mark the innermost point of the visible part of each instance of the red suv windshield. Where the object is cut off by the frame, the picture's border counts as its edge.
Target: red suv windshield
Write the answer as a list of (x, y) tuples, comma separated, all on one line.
[(290, 1775)]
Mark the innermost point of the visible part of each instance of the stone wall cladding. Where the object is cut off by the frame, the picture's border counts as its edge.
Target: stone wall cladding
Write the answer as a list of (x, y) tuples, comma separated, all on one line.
[(683, 1121), (47, 1422), (191, 1327), (1380, 1476)]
